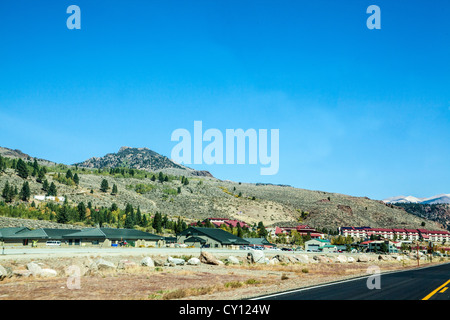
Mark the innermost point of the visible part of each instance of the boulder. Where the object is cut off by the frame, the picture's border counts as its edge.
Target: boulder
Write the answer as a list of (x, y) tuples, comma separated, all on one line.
[(208, 258), (34, 268), (126, 264), (281, 258), (3, 273), (273, 261), (158, 262), (340, 259), (193, 262), (47, 273), (363, 258), (350, 259), (21, 273), (147, 262), (256, 256), (302, 258), (322, 259), (233, 260), (104, 265), (176, 261)]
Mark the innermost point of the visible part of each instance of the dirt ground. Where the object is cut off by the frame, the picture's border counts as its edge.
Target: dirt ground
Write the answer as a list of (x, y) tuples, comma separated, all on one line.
[(225, 282)]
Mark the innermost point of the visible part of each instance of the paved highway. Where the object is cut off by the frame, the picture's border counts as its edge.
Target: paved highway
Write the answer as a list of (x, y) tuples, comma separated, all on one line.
[(429, 283)]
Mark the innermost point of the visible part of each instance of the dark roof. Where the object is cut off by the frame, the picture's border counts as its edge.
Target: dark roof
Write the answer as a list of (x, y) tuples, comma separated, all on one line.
[(195, 239), (43, 233), (5, 233), (113, 234), (259, 241), (225, 238)]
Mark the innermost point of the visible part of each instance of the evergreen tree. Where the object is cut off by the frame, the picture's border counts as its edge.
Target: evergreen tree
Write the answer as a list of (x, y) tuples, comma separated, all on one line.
[(129, 223), (8, 192), (40, 175), (262, 232), (138, 217), (45, 185), (166, 178), (114, 190), (52, 190), (144, 220), (153, 178), (25, 193), (62, 215), (157, 222), (104, 186), (161, 177), (2, 164), (21, 168), (81, 211), (186, 181), (69, 174), (76, 179)]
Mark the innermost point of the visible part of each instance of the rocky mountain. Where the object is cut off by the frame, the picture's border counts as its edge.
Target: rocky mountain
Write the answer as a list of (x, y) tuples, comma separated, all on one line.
[(140, 159), (439, 199)]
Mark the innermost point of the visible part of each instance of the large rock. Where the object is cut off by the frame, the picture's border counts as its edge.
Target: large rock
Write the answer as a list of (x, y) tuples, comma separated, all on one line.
[(322, 259), (256, 256), (176, 261), (147, 262), (208, 258), (34, 268), (350, 259), (233, 260), (158, 262), (302, 258), (281, 258), (363, 258), (3, 273), (104, 265), (47, 273), (340, 259), (21, 273), (126, 264), (193, 262)]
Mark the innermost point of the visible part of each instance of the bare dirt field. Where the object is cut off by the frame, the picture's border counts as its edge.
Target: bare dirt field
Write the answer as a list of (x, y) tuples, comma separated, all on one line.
[(136, 282)]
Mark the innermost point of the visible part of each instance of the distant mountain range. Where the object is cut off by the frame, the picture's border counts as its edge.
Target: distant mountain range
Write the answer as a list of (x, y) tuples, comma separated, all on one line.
[(439, 199)]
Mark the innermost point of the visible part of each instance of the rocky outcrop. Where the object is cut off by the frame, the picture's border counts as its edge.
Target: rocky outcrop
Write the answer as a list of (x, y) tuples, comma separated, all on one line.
[(208, 258)]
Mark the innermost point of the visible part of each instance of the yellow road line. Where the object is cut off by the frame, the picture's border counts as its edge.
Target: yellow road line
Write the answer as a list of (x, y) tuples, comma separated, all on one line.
[(436, 290), (443, 290)]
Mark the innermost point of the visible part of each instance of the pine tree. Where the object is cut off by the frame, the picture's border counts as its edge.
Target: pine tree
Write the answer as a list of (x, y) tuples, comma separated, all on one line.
[(104, 186), (153, 178), (157, 222), (76, 179), (161, 177), (114, 190), (81, 211), (52, 190), (45, 185), (62, 216), (25, 193), (40, 176), (139, 217), (69, 174), (7, 192), (2, 164), (21, 168)]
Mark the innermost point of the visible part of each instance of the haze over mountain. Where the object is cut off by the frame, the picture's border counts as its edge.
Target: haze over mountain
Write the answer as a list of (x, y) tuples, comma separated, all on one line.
[(439, 199)]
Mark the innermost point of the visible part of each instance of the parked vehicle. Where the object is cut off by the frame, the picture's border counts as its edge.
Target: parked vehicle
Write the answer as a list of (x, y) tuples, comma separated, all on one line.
[(53, 243)]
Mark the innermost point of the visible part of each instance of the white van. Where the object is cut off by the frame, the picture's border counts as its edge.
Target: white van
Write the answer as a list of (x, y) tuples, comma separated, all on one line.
[(53, 243)]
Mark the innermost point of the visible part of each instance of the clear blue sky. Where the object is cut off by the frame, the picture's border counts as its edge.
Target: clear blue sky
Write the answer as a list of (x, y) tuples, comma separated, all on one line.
[(361, 112)]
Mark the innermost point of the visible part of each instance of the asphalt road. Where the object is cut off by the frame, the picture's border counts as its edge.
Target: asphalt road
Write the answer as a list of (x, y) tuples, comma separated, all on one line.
[(428, 283)]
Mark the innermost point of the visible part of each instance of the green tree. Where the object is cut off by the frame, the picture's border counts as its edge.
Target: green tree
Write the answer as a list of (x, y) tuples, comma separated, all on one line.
[(81, 211), (262, 232), (8, 192), (76, 179), (157, 222), (62, 215), (45, 185), (21, 168), (2, 164), (161, 177), (52, 191), (25, 192), (114, 190), (40, 176), (104, 186)]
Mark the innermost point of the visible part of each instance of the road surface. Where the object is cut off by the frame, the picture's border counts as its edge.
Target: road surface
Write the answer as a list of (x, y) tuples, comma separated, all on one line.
[(429, 283)]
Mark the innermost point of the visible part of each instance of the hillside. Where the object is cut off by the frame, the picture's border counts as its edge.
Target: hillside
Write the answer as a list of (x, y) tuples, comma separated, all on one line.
[(439, 213), (205, 197)]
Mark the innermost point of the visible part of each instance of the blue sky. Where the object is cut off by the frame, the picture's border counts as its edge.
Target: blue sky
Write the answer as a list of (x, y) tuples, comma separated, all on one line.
[(360, 112)]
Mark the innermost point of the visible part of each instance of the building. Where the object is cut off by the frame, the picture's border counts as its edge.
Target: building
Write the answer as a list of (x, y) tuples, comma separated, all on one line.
[(314, 245), (114, 237), (39, 236), (7, 235), (328, 248), (302, 230), (260, 242), (381, 246), (210, 237)]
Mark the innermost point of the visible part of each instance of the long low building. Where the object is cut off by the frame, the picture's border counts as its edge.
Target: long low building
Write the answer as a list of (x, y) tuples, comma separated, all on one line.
[(210, 237), (115, 236)]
